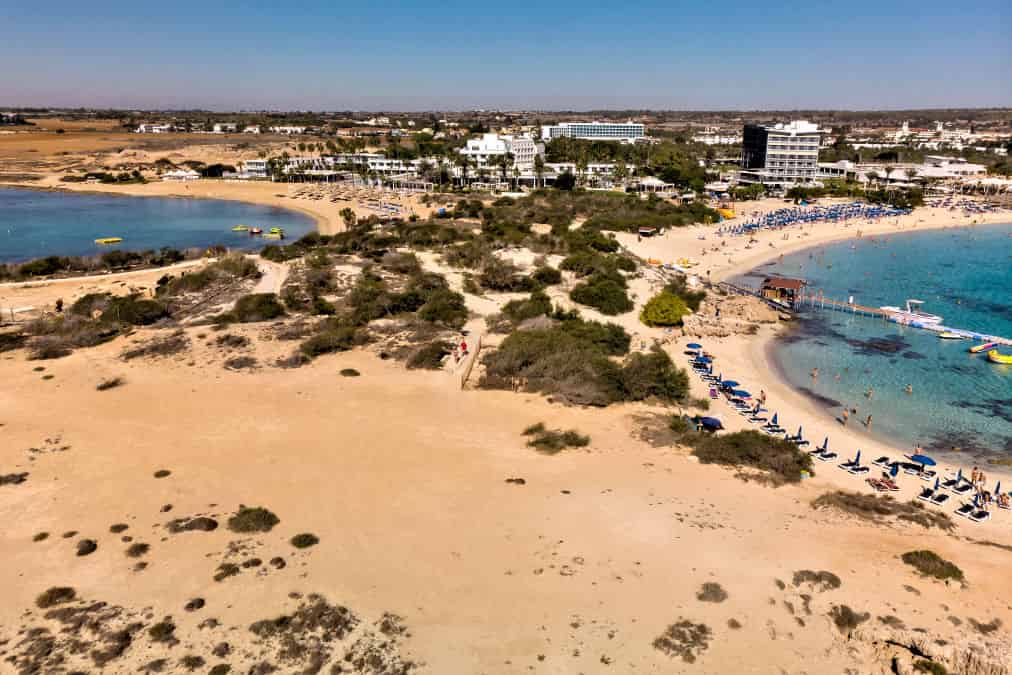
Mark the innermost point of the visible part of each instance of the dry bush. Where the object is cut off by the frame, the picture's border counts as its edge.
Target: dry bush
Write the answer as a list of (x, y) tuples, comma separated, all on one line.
[(930, 564), (877, 507), (159, 346)]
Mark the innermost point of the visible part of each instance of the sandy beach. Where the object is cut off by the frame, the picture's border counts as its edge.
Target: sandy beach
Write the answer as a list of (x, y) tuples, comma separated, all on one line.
[(428, 537)]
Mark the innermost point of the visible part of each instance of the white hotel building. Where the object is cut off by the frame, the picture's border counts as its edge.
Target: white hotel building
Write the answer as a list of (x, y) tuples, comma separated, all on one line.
[(780, 154), (625, 132), (485, 151)]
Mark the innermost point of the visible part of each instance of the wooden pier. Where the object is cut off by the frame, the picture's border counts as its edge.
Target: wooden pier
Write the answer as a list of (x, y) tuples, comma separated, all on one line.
[(819, 301)]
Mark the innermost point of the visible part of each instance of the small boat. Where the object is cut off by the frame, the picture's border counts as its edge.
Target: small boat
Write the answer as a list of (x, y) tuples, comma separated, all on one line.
[(276, 230), (256, 230), (240, 228), (911, 315), (994, 356), (109, 240), (950, 336), (984, 347), (273, 235)]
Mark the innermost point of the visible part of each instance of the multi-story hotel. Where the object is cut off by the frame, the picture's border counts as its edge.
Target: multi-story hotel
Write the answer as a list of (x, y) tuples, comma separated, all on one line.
[(485, 151), (782, 154), (626, 132)]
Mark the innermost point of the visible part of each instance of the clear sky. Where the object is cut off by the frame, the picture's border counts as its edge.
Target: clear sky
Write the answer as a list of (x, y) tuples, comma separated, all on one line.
[(375, 55)]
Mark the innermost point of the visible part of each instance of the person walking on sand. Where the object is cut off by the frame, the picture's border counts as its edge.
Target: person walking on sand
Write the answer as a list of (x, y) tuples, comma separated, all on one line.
[(846, 416), (867, 422), (815, 373)]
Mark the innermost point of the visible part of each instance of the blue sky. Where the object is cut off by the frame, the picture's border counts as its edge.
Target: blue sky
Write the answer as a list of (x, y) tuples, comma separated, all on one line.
[(453, 55)]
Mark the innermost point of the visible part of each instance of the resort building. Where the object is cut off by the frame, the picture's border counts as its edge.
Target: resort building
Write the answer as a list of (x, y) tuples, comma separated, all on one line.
[(288, 131), (252, 129), (180, 175), (625, 132), (484, 152), (714, 136), (154, 128), (255, 168), (781, 154), (224, 128)]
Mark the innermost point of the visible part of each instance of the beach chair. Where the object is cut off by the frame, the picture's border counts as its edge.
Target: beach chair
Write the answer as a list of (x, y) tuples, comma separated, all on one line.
[(826, 456), (964, 509), (883, 462), (926, 494), (927, 475), (962, 489), (939, 498), (979, 515), (849, 464)]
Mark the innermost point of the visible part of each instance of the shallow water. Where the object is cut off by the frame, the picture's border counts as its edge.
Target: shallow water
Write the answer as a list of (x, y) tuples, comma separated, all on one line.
[(35, 223), (958, 399)]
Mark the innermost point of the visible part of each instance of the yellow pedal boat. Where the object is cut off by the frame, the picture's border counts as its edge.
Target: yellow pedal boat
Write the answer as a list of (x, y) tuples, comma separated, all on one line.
[(994, 356), (109, 240)]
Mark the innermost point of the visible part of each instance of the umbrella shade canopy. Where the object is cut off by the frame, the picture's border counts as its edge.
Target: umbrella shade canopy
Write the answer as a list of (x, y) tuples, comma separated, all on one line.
[(711, 422), (857, 458), (959, 475), (799, 431), (895, 470), (937, 482), (825, 443), (997, 488), (774, 421), (923, 459), (741, 393), (693, 345), (731, 383)]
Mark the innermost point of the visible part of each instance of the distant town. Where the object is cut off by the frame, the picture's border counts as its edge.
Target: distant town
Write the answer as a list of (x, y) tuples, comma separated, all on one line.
[(737, 155)]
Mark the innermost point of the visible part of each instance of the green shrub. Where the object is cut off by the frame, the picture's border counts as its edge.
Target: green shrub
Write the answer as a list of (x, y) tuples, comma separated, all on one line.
[(255, 519), (653, 374), (664, 309), (430, 356), (305, 540), (445, 307), (547, 276), (502, 275), (334, 337), (604, 293), (846, 619), (930, 667), (55, 596), (518, 311), (552, 441), (777, 456), (692, 299), (930, 564), (256, 307)]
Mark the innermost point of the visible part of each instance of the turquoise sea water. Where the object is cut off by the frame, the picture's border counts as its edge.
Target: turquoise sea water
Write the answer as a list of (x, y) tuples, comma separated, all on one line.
[(35, 223), (958, 399)]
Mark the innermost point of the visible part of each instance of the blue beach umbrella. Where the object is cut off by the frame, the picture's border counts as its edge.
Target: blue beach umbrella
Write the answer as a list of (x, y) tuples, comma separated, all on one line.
[(976, 501), (894, 471), (731, 383), (741, 393), (825, 444), (923, 460), (799, 431), (774, 421), (857, 458), (694, 345), (959, 476), (997, 488), (937, 483)]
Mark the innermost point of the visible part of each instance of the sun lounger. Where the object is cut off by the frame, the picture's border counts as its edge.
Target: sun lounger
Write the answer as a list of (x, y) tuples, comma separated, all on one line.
[(950, 483), (964, 510), (926, 494), (846, 466), (882, 461), (890, 484), (939, 498), (927, 475), (962, 489), (859, 470), (979, 516), (826, 456)]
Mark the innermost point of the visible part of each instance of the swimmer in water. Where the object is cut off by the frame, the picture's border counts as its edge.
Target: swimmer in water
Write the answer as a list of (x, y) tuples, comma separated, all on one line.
[(909, 389)]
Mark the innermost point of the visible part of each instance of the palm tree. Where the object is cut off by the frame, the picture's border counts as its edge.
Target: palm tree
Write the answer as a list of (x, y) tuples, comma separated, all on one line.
[(581, 168), (504, 160), (620, 172), (539, 170), (463, 161)]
